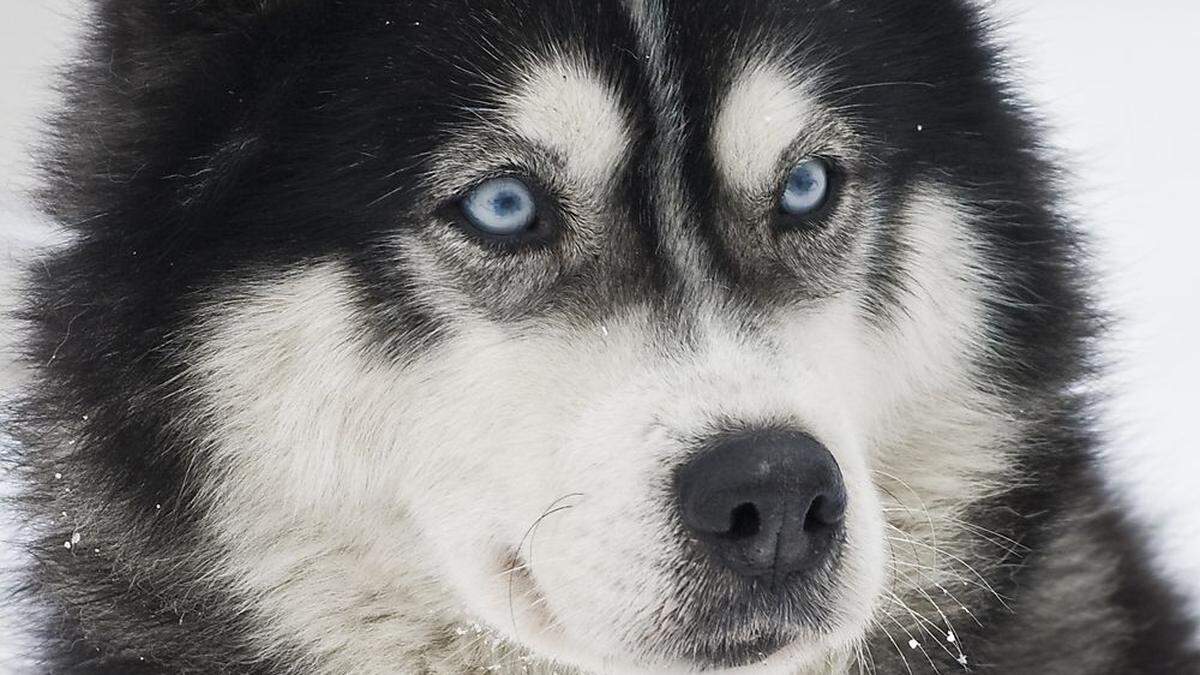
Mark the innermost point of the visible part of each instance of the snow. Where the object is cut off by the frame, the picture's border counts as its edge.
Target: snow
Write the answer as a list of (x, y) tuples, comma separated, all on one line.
[(1117, 81)]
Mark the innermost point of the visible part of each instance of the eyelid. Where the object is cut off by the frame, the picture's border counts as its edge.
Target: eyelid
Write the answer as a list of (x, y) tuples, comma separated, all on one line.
[(462, 164), (475, 179)]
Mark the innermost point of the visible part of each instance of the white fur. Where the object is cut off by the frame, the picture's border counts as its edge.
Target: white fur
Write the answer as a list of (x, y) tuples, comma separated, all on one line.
[(384, 479), (936, 431), (567, 107), (764, 113), (351, 486)]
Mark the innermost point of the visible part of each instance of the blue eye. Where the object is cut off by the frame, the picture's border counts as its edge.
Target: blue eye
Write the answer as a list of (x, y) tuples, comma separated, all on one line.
[(807, 188), (501, 206)]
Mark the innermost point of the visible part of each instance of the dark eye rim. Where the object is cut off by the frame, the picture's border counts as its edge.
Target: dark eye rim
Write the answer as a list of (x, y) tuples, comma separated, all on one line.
[(545, 229), (815, 219)]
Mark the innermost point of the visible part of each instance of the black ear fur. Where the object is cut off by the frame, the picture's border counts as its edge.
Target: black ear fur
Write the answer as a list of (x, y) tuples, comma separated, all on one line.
[(148, 42), (189, 73), (181, 17)]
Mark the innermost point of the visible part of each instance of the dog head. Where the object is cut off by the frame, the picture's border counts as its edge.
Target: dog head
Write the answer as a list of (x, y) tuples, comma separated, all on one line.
[(639, 335)]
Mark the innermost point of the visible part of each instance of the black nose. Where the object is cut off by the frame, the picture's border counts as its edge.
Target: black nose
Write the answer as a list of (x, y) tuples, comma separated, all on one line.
[(765, 503)]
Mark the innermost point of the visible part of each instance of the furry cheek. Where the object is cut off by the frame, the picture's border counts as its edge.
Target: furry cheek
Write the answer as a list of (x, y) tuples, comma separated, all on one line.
[(539, 492)]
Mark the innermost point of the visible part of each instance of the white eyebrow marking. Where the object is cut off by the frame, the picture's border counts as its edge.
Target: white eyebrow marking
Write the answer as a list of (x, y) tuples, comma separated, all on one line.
[(763, 113), (565, 106)]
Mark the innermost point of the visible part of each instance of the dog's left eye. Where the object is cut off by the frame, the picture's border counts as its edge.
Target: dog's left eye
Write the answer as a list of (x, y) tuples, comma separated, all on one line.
[(807, 188), (501, 207)]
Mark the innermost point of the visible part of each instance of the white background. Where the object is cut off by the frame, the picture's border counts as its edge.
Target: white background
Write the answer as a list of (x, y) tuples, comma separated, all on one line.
[(1119, 85)]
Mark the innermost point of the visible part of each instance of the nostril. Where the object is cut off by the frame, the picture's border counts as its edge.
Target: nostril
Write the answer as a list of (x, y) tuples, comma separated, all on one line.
[(823, 513), (813, 522), (746, 522)]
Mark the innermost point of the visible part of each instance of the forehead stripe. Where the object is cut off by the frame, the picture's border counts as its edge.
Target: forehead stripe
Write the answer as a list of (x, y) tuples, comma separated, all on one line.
[(667, 192)]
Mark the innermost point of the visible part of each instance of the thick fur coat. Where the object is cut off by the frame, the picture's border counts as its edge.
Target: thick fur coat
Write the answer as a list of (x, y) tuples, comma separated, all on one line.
[(294, 411)]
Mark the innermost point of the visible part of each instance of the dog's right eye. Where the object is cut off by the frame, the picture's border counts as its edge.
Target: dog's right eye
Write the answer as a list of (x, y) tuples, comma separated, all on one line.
[(501, 207)]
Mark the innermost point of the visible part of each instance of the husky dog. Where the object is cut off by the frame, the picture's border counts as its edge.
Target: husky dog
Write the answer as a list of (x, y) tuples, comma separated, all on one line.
[(582, 336)]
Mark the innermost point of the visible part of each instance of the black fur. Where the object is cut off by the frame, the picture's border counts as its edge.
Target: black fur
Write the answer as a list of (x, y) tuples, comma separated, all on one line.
[(206, 140)]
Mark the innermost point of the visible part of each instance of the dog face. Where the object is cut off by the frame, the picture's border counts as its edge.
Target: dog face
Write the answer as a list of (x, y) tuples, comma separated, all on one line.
[(637, 334)]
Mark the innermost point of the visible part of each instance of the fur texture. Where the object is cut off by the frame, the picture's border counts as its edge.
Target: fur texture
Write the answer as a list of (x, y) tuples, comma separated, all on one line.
[(292, 413)]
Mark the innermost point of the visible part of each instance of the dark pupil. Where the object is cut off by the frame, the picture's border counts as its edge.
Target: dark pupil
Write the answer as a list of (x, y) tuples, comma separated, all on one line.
[(506, 203), (802, 181)]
